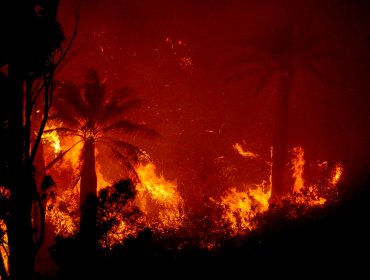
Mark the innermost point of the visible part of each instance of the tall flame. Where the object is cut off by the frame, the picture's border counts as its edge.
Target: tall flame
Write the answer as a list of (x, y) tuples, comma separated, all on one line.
[(297, 168), (313, 194), (159, 199)]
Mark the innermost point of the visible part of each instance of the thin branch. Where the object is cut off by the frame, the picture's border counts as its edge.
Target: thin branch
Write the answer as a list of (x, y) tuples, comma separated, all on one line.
[(60, 156)]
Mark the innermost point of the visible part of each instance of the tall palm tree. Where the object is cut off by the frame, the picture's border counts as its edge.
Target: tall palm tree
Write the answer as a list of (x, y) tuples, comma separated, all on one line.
[(97, 119), (277, 55)]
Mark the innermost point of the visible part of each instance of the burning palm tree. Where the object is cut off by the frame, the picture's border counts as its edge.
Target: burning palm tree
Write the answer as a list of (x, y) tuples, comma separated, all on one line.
[(96, 119), (278, 55)]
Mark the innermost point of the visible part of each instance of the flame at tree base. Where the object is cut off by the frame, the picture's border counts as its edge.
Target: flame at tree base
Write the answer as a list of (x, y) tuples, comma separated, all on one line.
[(159, 206)]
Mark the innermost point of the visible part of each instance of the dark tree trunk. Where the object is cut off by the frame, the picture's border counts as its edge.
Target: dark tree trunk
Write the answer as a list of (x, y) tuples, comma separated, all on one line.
[(280, 137), (20, 232), (88, 190)]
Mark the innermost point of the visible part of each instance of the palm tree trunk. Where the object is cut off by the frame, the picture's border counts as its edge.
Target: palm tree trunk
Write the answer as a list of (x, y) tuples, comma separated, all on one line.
[(280, 137), (88, 190)]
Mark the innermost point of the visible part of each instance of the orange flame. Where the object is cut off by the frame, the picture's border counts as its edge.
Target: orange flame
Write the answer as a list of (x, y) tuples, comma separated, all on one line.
[(63, 213), (52, 139), (336, 174), (243, 153), (159, 199), (240, 209), (298, 167), (4, 248), (314, 194)]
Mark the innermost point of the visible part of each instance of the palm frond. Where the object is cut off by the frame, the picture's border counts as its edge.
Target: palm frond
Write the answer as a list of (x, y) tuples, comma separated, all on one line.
[(241, 75), (65, 117), (317, 73), (134, 153), (94, 92), (68, 94), (113, 109), (122, 93), (246, 58), (63, 130), (129, 127), (125, 163)]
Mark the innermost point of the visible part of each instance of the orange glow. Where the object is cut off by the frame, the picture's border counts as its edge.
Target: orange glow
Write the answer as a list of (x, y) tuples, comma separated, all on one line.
[(63, 213), (336, 174), (159, 199), (52, 139), (162, 208), (4, 248), (314, 194), (243, 153), (240, 209), (297, 168)]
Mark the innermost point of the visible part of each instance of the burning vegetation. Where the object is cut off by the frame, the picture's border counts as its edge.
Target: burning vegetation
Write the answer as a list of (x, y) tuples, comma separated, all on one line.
[(128, 207)]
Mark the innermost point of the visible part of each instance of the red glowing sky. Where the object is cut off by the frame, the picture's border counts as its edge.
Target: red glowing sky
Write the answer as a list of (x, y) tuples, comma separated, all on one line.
[(199, 114)]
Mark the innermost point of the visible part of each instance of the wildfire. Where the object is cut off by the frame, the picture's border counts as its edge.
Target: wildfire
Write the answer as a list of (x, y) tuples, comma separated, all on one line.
[(52, 139), (336, 174), (158, 205), (316, 193), (243, 153), (298, 167), (63, 213), (159, 199), (4, 248), (241, 209)]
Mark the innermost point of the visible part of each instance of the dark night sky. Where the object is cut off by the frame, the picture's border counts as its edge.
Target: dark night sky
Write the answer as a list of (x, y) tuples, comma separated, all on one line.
[(146, 44)]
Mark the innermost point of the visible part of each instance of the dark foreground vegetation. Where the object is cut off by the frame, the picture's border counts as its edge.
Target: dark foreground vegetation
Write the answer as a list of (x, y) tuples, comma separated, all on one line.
[(331, 240)]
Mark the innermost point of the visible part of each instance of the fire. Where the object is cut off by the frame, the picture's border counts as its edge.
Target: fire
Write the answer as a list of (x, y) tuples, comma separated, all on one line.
[(52, 139), (243, 153), (161, 207), (314, 194), (159, 199), (297, 168), (336, 174), (241, 209), (63, 213), (4, 248)]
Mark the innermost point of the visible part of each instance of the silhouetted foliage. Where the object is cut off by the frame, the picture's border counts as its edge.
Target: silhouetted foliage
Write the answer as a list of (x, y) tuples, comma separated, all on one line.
[(115, 205), (30, 52), (276, 55)]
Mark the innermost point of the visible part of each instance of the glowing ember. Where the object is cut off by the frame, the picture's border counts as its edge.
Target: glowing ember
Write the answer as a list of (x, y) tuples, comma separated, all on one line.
[(243, 153)]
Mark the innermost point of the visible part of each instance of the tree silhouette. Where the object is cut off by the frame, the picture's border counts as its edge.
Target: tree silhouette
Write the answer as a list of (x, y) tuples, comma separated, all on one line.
[(97, 119), (277, 55), (30, 53)]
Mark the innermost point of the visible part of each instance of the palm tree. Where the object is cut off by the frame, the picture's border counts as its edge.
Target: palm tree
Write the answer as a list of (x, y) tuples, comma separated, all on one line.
[(277, 56), (97, 119)]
